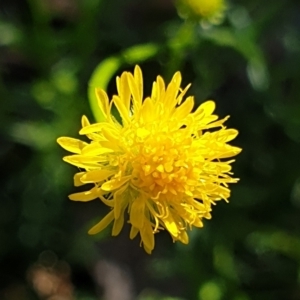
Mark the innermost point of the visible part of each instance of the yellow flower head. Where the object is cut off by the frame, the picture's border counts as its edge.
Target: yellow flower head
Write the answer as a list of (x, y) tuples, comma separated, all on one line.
[(208, 10), (162, 165)]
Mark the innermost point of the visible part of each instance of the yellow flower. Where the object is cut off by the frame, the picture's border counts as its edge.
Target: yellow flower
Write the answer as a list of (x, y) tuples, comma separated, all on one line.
[(162, 165), (208, 10)]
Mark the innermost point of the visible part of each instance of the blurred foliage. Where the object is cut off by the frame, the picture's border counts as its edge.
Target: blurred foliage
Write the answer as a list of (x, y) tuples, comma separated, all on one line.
[(249, 65)]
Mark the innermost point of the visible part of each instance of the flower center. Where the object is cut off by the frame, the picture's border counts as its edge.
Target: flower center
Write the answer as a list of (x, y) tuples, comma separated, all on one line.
[(163, 162)]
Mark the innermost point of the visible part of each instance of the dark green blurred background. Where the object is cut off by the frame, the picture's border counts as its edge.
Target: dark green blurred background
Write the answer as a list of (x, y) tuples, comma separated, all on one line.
[(249, 64)]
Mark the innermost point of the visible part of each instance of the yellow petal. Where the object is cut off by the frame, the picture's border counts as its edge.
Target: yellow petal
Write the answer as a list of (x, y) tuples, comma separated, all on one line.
[(133, 232), (77, 179), (184, 109), (137, 214), (108, 202), (229, 151), (85, 121), (154, 93), (147, 236), (118, 225), (85, 196), (223, 167), (136, 97), (97, 127), (198, 223), (102, 224), (97, 175), (146, 112), (138, 76), (171, 226), (161, 88), (183, 237), (208, 107), (119, 200), (172, 91), (103, 102), (205, 120), (123, 90), (112, 135), (81, 161), (229, 134), (149, 251), (123, 110), (198, 205), (95, 148), (181, 95), (70, 144), (114, 183), (119, 208)]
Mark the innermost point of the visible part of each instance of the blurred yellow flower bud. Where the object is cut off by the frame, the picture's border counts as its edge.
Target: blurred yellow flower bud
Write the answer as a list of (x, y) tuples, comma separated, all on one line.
[(211, 11)]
